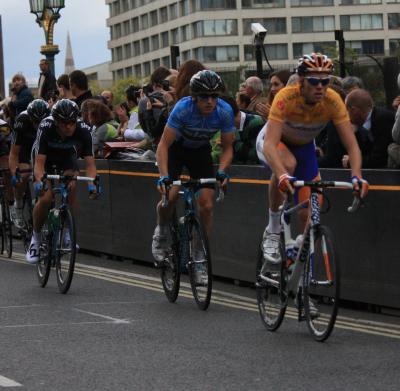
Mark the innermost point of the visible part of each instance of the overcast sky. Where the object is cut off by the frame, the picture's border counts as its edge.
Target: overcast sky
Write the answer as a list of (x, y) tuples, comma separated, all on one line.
[(22, 37)]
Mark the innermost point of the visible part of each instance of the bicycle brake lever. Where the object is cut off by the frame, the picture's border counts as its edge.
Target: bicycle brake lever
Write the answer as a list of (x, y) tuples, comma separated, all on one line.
[(221, 195), (357, 203)]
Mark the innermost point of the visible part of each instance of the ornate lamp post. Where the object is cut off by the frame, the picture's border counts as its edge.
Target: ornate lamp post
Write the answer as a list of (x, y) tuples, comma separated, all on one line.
[(47, 13)]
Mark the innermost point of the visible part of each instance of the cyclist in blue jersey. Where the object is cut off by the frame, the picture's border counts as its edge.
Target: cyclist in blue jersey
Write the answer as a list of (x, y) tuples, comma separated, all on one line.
[(186, 143)]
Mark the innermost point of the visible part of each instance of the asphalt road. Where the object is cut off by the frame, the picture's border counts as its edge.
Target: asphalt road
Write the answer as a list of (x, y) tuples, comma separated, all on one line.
[(115, 330)]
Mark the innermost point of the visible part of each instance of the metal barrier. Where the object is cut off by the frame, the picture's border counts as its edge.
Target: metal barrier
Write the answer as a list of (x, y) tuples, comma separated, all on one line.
[(122, 220)]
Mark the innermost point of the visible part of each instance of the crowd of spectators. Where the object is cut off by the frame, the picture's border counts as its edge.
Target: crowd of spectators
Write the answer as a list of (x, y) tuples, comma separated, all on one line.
[(138, 122)]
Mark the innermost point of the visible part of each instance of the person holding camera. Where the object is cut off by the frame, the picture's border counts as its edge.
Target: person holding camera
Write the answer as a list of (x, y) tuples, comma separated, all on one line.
[(133, 131)]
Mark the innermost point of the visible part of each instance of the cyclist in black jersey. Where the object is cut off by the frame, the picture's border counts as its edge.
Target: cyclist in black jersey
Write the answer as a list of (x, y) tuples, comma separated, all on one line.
[(61, 139), (23, 137)]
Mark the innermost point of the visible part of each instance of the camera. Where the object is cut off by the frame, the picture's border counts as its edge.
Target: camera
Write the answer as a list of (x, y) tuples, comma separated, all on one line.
[(147, 89), (165, 85), (132, 92), (258, 30)]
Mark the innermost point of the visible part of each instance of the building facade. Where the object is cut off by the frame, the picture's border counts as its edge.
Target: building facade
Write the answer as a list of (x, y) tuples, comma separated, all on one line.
[(218, 32)]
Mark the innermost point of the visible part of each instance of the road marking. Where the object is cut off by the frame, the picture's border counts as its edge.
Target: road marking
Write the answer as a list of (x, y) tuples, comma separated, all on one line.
[(21, 326), (114, 320), (6, 382), (221, 298)]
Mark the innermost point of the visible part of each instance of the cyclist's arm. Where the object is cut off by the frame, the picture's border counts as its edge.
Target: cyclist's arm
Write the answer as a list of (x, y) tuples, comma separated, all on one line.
[(167, 138), (273, 135), (349, 141), (39, 171), (90, 163), (13, 159), (226, 157)]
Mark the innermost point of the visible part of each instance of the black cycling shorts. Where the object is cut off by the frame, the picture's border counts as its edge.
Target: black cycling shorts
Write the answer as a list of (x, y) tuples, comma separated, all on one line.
[(60, 165), (198, 162), (25, 154)]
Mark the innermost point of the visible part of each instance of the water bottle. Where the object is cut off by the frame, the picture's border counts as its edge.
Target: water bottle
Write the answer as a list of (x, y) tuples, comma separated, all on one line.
[(53, 219)]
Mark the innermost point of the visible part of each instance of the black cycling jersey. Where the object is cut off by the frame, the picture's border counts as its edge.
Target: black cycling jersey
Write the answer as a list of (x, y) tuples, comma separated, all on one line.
[(24, 136), (63, 152)]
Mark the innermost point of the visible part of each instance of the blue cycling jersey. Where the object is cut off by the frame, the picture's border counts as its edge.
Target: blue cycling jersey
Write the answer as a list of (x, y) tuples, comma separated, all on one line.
[(195, 129)]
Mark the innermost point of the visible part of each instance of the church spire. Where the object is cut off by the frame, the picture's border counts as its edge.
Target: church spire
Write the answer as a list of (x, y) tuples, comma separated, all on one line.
[(69, 58)]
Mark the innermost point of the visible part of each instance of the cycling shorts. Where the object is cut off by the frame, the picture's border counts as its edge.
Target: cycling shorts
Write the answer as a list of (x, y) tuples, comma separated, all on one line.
[(198, 162)]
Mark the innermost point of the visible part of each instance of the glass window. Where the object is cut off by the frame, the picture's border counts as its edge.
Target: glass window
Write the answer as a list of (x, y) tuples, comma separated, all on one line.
[(361, 22), (125, 5), (145, 45), (155, 63), (263, 3), (144, 19), (217, 53), (173, 11), (120, 74), (185, 33), (135, 25), (164, 14), (185, 55), (138, 70), (300, 48), (273, 25), (394, 21), (146, 68), (214, 27), (128, 50), (164, 39), (117, 30), (310, 3), (118, 53), (128, 72), (367, 47), (127, 27), (278, 51), (166, 61), (355, 2), (153, 18), (155, 42), (394, 47), (201, 5), (184, 7), (136, 48), (308, 24), (174, 36)]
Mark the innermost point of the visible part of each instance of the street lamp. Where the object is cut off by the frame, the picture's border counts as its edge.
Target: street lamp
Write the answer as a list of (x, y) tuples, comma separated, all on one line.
[(47, 13)]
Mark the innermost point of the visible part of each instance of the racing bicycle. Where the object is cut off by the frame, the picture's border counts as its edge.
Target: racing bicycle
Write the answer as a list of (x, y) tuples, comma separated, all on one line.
[(5, 217), (310, 274)]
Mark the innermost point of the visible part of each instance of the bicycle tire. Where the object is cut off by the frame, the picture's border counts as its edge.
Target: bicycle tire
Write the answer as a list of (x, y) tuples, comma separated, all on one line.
[(201, 262), (6, 228), (321, 285), (65, 246), (272, 300), (170, 270), (43, 265)]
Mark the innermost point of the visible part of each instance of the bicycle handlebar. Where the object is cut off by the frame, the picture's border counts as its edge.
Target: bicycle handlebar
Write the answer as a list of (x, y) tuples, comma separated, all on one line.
[(192, 183), (357, 201)]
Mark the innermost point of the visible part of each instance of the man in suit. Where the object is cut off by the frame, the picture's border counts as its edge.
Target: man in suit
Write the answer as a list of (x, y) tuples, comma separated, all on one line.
[(47, 81), (373, 128)]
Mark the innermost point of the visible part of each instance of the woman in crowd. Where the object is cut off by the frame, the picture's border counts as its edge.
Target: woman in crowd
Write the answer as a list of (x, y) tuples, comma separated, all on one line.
[(186, 71), (63, 87)]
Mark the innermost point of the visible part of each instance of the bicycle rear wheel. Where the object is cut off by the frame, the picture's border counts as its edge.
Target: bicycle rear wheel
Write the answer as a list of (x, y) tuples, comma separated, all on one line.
[(199, 265), (321, 285), (170, 270), (6, 229), (271, 290), (65, 250), (44, 264)]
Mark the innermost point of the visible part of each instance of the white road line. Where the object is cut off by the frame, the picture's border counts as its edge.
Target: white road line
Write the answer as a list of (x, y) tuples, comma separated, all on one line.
[(20, 326), (115, 320), (6, 382)]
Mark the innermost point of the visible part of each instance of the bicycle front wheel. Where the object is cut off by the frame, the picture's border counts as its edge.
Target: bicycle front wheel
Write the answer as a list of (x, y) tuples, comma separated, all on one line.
[(199, 265), (321, 285), (6, 229), (170, 270), (271, 289), (44, 264), (65, 252)]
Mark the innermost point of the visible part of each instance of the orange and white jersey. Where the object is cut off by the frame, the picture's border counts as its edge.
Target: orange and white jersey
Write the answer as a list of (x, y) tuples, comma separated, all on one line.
[(303, 122)]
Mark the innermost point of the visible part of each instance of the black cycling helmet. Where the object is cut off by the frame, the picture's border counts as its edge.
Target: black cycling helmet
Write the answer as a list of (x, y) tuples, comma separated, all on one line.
[(65, 110), (38, 109), (206, 81), (314, 62)]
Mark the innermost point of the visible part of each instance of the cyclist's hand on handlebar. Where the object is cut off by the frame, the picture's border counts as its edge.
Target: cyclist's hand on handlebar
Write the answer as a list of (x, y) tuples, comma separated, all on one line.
[(38, 188), (223, 178), (94, 191), (360, 186), (285, 183), (163, 183)]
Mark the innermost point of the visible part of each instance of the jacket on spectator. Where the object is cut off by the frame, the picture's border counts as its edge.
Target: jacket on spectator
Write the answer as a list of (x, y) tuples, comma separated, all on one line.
[(396, 127), (80, 99), (24, 97), (254, 102), (333, 149), (48, 83)]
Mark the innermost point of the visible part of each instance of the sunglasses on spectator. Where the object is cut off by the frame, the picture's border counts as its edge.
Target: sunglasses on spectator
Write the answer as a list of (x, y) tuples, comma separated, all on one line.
[(314, 81), (208, 96)]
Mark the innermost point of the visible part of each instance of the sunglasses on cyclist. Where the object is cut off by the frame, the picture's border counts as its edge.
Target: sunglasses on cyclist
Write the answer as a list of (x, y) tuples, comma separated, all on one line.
[(208, 96), (314, 81)]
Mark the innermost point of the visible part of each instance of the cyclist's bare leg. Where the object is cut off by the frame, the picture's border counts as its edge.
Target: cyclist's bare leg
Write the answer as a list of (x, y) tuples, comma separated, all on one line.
[(206, 206), (164, 213), (72, 198), (7, 178), (19, 189), (41, 209)]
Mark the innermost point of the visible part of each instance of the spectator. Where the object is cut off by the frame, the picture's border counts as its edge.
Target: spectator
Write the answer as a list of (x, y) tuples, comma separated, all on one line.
[(254, 88), (47, 81), (85, 109), (78, 82), (186, 71), (350, 83), (373, 128), (278, 80), (22, 95), (52, 98), (122, 112), (109, 97), (101, 117), (63, 87), (394, 148), (242, 100)]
